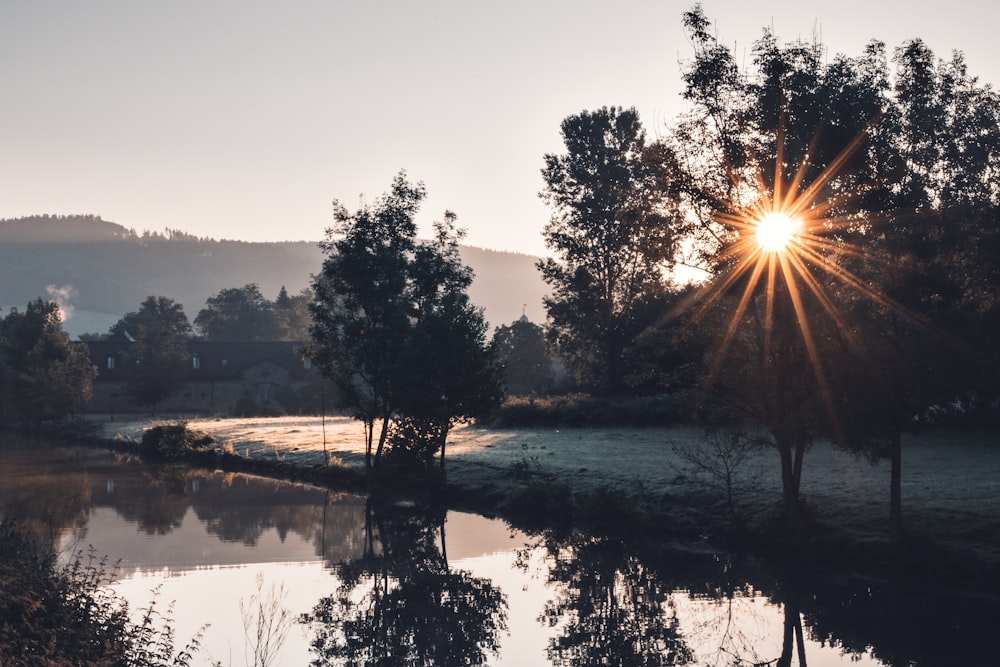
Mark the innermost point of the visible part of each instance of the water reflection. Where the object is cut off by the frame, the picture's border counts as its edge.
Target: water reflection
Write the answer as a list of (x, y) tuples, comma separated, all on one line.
[(400, 603), (390, 583), (609, 608)]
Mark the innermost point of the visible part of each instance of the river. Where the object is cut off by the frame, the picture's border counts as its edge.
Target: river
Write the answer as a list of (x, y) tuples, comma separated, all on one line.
[(232, 553)]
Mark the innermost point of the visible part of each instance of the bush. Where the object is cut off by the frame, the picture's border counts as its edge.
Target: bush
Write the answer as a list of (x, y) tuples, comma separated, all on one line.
[(580, 410), (173, 442), (68, 616)]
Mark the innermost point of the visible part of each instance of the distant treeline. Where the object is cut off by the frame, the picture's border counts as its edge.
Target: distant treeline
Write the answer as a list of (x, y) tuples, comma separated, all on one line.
[(104, 269)]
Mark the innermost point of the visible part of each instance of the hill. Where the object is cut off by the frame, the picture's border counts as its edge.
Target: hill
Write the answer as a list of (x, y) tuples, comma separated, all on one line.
[(98, 270)]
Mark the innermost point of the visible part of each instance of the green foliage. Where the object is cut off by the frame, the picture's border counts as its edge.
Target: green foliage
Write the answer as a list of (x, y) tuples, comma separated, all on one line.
[(42, 374), (614, 230)]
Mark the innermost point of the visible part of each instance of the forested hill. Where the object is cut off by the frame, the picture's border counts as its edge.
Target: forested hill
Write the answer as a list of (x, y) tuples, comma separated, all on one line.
[(99, 270)]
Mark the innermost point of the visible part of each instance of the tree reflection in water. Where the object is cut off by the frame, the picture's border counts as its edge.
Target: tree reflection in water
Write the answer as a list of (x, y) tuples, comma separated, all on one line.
[(401, 604), (609, 608)]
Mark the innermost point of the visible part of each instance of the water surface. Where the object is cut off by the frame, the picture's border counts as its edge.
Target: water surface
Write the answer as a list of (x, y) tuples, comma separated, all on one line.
[(426, 586)]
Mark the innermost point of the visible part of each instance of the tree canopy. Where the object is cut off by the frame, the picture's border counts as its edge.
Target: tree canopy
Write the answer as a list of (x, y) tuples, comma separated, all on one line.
[(614, 230), (883, 179), (42, 374), (387, 308), (160, 331)]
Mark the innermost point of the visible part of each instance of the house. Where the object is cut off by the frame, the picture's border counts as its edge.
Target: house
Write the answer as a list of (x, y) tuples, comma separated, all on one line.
[(222, 378)]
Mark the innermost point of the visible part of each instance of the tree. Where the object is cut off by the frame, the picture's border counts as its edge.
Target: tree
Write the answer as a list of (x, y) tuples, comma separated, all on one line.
[(42, 374), (159, 354), (239, 314), (448, 373), (614, 231), (361, 314), (940, 247), (520, 350), (839, 330), (786, 136), (393, 326), (292, 314)]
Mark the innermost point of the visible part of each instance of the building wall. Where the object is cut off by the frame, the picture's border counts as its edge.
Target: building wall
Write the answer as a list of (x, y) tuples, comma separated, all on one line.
[(213, 387)]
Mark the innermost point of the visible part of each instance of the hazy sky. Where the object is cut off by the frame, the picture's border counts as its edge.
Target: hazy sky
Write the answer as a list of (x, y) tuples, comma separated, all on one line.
[(244, 118)]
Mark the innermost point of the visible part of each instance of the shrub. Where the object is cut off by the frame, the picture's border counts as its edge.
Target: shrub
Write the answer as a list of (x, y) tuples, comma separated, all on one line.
[(68, 616), (580, 410), (173, 441)]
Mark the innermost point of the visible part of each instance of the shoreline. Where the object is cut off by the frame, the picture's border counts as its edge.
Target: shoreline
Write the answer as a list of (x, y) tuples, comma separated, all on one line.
[(531, 495)]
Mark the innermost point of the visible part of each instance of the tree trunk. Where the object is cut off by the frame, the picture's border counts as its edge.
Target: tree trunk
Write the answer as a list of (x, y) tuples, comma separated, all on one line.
[(444, 439), (789, 489), (792, 634), (369, 435), (895, 490), (381, 440)]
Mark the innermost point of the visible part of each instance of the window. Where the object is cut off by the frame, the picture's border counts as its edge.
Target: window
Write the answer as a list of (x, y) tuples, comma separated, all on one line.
[(225, 362), (111, 363), (195, 362), (307, 364)]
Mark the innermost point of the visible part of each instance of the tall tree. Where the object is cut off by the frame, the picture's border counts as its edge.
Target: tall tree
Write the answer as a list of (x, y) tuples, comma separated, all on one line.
[(42, 374), (159, 355), (790, 138), (939, 253), (392, 323), (614, 233), (361, 314), (864, 175), (448, 373)]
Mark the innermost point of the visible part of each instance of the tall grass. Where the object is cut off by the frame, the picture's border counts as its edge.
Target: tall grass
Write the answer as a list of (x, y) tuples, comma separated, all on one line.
[(52, 616)]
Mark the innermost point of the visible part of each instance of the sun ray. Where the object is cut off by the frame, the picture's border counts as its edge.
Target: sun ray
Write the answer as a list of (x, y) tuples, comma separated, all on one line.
[(782, 244)]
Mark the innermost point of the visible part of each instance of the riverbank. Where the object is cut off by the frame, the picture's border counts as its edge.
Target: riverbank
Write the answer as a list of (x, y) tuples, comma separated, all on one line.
[(628, 480)]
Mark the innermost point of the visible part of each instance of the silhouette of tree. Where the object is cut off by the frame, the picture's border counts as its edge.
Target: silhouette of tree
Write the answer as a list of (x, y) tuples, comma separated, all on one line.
[(448, 373), (401, 604), (159, 354), (361, 314), (793, 127), (939, 248), (238, 314), (42, 374), (392, 322), (609, 607), (520, 350), (614, 231), (292, 314)]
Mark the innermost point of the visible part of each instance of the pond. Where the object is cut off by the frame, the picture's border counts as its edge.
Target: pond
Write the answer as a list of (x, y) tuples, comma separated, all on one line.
[(236, 554)]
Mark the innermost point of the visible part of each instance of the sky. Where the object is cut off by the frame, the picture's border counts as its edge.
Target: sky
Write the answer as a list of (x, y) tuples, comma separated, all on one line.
[(245, 119)]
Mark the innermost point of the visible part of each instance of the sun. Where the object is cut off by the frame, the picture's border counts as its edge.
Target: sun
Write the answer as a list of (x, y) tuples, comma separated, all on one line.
[(784, 245), (776, 231)]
